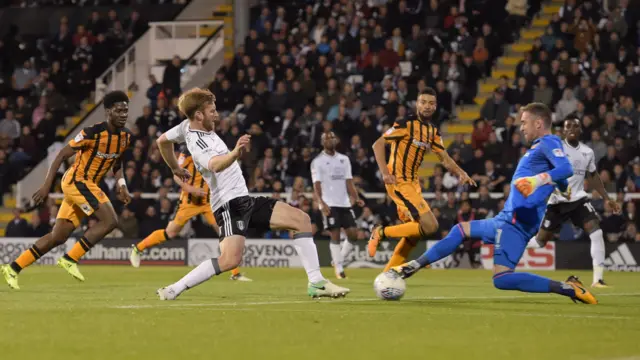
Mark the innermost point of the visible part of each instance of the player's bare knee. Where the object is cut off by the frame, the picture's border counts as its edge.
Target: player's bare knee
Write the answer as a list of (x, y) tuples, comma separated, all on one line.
[(591, 226), (302, 221), (429, 226)]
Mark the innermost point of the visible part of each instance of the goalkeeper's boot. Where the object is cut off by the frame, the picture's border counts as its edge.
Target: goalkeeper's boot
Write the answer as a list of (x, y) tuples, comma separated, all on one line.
[(600, 284), (10, 276), (135, 257), (407, 269), (71, 267), (376, 236), (326, 288), (582, 294)]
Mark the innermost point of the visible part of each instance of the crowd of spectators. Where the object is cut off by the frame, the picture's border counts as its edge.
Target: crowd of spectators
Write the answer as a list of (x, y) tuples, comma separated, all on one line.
[(45, 79), (354, 67)]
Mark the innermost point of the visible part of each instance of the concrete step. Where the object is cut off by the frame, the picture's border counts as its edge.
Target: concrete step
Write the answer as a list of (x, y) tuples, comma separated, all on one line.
[(509, 60), (497, 74), (532, 34), (519, 48), (552, 9)]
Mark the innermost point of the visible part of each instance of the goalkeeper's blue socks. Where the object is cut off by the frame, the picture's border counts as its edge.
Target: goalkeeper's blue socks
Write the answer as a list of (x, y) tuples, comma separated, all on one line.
[(532, 283), (444, 247)]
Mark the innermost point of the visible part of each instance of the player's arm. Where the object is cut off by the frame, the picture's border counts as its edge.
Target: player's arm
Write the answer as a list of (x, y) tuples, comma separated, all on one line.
[(186, 187), (437, 147), (451, 165), (218, 163), (42, 193), (561, 171), (598, 185), (122, 192), (379, 154), (317, 187), (397, 132), (165, 146), (351, 187)]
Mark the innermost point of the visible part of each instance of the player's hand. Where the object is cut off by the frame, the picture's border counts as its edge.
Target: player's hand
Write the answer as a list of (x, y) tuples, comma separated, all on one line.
[(389, 179), (360, 202), (198, 192), (122, 193), (182, 173), (465, 179), (326, 210), (527, 185), (615, 207), (242, 144), (40, 195), (565, 194)]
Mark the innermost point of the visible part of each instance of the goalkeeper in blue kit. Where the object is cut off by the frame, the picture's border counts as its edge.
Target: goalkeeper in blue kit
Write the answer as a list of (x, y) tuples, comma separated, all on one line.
[(540, 170)]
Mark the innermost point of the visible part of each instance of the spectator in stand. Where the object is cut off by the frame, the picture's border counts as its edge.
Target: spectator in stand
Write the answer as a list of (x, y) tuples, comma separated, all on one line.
[(18, 227), (496, 110)]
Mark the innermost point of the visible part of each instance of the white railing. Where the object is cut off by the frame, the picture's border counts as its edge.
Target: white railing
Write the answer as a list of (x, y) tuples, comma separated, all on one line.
[(169, 38), (162, 41), (373, 195), (196, 42)]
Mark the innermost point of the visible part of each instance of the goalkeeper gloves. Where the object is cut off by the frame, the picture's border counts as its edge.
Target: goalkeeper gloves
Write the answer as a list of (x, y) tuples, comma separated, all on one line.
[(527, 185)]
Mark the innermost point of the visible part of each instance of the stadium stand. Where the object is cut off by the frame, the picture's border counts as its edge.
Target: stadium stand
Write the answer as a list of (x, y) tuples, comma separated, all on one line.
[(50, 55), (354, 67)]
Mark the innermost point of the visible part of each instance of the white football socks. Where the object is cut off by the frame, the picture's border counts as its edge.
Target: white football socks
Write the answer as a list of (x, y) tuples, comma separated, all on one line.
[(308, 253), (597, 254), (336, 256), (203, 272), (347, 246)]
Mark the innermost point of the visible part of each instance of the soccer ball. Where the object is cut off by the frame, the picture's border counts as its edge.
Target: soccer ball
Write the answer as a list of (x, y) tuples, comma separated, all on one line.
[(389, 286)]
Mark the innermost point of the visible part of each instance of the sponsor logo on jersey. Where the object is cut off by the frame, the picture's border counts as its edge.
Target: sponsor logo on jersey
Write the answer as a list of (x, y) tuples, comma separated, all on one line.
[(102, 155), (558, 152), (421, 144), (79, 137)]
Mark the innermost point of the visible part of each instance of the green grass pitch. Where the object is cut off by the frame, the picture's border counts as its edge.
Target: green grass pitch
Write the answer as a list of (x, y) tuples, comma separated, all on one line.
[(451, 314)]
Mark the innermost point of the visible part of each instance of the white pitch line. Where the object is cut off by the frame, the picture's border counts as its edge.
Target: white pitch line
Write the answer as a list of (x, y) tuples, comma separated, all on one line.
[(454, 312), (337, 301)]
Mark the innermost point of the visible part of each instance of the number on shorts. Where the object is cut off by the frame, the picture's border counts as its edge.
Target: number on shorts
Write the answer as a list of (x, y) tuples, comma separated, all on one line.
[(590, 207), (498, 236)]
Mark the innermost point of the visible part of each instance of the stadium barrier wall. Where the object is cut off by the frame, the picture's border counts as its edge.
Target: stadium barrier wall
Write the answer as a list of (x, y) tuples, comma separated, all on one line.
[(281, 253)]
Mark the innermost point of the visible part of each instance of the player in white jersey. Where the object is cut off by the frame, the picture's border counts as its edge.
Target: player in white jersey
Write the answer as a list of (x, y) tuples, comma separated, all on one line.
[(333, 187), (232, 206), (576, 205)]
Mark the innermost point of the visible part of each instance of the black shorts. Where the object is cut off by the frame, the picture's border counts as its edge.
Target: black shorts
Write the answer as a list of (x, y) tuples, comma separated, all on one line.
[(340, 217), (579, 212), (235, 216)]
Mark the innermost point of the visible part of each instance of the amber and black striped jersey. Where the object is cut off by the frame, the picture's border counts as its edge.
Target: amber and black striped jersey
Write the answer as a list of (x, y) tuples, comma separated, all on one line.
[(186, 161), (410, 141), (97, 150)]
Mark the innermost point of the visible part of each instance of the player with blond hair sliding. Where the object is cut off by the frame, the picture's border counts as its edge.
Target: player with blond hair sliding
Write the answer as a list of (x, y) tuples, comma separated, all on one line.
[(194, 201), (233, 208)]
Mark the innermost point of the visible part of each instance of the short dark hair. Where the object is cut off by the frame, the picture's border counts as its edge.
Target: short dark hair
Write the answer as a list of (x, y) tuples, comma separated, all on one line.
[(428, 91), (539, 110), (114, 97)]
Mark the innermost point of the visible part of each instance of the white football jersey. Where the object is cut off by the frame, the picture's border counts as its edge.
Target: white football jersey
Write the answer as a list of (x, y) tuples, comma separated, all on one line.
[(332, 172), (225, 185), (582, 160)]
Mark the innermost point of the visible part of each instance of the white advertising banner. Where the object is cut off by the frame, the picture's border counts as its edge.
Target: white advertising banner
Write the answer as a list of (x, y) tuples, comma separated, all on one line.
[(257, 252), (11, 248)]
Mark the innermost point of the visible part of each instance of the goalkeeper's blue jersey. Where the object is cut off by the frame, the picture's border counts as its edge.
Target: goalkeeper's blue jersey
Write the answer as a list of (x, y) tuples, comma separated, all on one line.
[(545, 155)]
